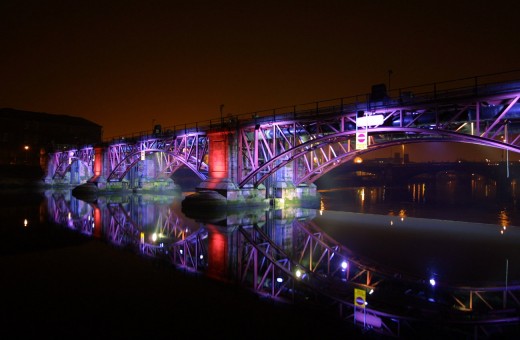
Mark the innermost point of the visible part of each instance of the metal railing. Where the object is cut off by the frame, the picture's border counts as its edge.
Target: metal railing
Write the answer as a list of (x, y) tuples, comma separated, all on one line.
[(481, 85)]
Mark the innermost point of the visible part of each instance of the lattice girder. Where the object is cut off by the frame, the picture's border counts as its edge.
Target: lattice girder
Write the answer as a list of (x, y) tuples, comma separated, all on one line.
[(190, 150), (322, 153), (63, 160)]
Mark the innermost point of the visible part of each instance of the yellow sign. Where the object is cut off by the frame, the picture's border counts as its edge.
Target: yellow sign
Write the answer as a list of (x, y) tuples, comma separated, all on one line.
[(361, 140), (360, 296)]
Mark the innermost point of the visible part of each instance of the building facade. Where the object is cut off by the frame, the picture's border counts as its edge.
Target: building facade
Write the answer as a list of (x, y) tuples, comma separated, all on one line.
[(26, 137)]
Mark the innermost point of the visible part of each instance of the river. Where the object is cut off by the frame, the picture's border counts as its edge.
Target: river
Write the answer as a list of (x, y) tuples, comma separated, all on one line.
[(461, 233)]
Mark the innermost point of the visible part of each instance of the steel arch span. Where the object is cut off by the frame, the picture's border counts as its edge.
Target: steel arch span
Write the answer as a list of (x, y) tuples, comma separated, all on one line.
[(320, 154), (62, 161), (190, 150)]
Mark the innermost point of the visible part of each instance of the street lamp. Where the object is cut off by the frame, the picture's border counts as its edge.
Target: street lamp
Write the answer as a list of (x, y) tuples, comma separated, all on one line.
[(26, 148), (221, 117)]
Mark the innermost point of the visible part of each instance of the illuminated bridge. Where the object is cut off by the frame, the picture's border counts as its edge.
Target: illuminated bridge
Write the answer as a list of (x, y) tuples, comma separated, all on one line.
[(279, 153)]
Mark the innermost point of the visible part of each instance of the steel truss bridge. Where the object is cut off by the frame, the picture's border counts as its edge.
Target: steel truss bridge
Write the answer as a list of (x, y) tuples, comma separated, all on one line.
[(309, 140), (296, 262)]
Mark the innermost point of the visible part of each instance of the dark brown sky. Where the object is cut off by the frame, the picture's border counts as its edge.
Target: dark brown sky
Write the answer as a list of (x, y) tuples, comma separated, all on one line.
[(124, 64)]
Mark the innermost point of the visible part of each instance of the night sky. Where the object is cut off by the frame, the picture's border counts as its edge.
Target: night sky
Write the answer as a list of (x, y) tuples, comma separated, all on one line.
[(128, 64)]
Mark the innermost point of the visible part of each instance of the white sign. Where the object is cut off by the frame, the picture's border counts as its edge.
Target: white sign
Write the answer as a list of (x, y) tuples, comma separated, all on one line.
[(372, 120)]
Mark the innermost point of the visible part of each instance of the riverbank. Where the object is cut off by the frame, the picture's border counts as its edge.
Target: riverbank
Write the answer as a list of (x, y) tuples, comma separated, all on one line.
[(20, 175), (85, 288)]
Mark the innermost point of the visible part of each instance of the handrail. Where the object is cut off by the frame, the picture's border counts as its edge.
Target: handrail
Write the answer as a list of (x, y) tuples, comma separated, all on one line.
[(435, 88)]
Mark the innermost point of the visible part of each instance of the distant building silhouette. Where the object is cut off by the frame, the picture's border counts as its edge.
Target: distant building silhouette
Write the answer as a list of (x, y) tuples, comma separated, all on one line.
[(27, 136)]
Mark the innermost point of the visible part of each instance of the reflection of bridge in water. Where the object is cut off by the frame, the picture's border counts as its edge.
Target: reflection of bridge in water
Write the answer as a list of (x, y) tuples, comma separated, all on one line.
[(283, 255)]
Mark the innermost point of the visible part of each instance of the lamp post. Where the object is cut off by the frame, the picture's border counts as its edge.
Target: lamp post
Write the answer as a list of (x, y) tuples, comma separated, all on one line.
[(26, 148), (221, 116)]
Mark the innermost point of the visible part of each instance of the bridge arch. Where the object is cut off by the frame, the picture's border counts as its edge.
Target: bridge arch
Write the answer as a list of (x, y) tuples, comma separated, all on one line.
[(318, 155), (189, 148), (172, 160), (79, 160)]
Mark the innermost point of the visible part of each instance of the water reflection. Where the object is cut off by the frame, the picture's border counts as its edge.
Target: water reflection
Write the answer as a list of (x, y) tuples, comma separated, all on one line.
[(146, 222), (418, 192), (474, 199), (156, 226), (294, 253)]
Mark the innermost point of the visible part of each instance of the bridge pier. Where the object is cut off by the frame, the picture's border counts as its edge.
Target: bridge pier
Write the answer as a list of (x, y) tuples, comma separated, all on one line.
[(287, 194), (220, 190)]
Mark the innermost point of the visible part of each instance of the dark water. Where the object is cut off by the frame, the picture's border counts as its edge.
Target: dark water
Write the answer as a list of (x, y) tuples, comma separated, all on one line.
[(477, 200), (462, 233)]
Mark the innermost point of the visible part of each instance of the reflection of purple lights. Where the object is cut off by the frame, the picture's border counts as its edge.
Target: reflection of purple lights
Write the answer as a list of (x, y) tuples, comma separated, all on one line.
[(432, 282)]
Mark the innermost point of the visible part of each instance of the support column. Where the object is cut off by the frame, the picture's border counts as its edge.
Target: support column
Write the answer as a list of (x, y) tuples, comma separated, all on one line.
[(222, 163), (99, 167), (220, 190)]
